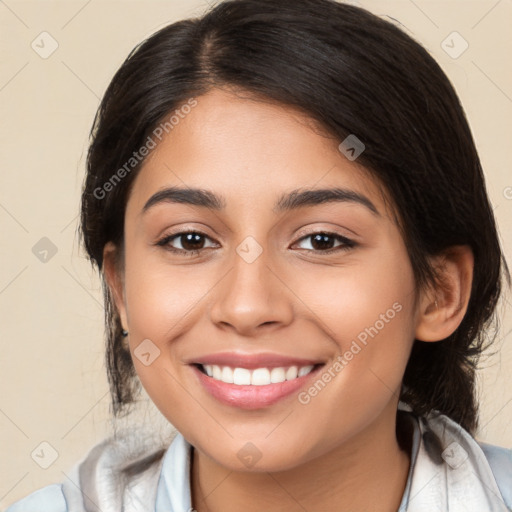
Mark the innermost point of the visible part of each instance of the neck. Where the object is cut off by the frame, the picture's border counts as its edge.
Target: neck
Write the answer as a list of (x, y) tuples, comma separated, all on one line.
[(368, 472)]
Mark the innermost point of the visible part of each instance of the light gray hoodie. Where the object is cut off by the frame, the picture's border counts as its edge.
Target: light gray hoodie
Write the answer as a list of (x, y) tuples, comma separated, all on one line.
[(450, 472)]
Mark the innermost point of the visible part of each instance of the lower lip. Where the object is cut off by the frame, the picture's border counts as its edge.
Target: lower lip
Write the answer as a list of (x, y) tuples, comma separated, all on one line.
[(249, 396)]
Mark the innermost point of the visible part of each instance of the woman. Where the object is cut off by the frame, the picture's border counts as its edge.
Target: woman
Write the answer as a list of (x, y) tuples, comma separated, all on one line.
[(300, 264)]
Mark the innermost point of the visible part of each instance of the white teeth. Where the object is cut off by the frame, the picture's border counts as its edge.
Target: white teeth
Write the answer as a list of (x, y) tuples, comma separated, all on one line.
[(241, 376), (217, 372), (256, 377), (277, 375), (304, 370), (260, 377), (227, 374), (291, 373)]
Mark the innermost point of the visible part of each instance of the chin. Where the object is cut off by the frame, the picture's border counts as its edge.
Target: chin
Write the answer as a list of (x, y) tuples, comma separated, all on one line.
[(255, 456)]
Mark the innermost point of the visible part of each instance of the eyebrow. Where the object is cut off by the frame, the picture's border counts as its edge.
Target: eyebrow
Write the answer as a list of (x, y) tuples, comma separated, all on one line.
[(287, 202)]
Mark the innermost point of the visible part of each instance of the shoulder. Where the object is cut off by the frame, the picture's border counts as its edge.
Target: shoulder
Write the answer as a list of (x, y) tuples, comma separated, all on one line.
[(46, 499), (499, 457), (500, 460), (489, 466), (119, 469)]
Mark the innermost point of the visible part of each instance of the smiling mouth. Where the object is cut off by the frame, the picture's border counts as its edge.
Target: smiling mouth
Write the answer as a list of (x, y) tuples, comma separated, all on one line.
[(257, 376)]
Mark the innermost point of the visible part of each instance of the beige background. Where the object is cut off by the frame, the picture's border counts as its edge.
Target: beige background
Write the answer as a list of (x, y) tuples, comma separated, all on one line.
[(52, 378)]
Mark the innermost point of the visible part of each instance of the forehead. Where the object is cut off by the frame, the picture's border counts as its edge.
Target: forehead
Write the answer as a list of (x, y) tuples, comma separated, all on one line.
[(249, 150)]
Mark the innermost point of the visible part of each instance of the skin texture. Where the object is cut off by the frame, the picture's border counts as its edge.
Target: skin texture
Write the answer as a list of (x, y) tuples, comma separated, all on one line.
[(340, 450)]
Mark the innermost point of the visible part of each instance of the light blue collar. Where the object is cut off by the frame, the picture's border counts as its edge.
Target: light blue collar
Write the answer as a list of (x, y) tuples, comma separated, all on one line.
[(174, 493), (448, 471)]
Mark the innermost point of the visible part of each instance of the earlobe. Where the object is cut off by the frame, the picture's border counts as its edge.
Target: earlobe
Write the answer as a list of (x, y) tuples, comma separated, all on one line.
[(114, 280), (443, 306)]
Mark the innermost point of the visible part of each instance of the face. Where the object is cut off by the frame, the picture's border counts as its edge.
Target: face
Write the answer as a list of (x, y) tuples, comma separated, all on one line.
[(266, 285)]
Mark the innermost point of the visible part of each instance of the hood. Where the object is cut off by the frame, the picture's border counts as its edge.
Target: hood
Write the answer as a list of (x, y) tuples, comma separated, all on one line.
[(137, 471)]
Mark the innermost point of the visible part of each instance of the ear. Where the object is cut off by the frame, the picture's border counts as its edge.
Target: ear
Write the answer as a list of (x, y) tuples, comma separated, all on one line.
[(443, 306), (114, 277)]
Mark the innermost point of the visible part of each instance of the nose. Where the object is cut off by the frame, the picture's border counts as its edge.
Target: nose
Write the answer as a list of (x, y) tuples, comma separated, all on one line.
[(252, 298)]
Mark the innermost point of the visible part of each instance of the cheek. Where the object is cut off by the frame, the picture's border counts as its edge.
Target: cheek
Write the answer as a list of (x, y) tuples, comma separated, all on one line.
[(162, 304), (371, 295), (160, 296), (366, 311)]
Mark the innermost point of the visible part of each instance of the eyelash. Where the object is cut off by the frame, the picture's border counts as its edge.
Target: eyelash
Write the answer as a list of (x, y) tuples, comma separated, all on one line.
[(346, 243)]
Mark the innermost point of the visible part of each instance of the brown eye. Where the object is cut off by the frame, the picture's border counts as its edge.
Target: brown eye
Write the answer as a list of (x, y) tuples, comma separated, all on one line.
[(324, 242), (190, 242)]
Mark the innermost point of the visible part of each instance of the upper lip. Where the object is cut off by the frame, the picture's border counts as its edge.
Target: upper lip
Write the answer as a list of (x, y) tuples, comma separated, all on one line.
[(260, 360)]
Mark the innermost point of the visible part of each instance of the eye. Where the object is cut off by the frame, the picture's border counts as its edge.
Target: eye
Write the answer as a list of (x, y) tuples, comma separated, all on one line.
[(191, 242), (322, 242)]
